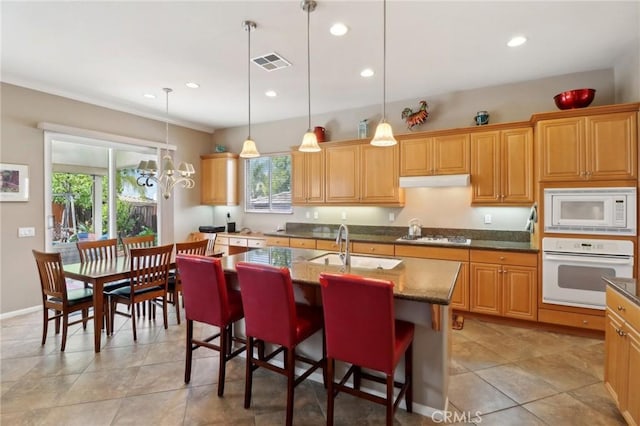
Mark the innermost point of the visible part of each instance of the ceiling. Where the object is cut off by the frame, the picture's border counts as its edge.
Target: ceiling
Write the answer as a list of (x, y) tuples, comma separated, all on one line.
[(112, 53)]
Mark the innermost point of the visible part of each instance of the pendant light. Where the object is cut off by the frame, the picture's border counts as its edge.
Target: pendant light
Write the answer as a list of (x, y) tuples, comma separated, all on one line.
[(384, 132), (309, 141), (249, 149), (168, 177)]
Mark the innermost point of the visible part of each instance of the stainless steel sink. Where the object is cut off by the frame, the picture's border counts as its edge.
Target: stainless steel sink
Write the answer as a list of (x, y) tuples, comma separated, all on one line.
[(365, 262)]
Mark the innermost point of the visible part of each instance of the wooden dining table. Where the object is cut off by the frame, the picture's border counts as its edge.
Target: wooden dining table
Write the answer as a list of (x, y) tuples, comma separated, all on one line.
[(98, 273)]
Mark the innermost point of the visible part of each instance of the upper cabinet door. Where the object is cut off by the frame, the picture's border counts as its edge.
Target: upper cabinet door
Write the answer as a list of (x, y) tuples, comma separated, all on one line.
[(307, 177), (451, 154), (380, 175), (611, 151), (562, 149), (416, 157), (485, 167), (219, 180), (342, 165)]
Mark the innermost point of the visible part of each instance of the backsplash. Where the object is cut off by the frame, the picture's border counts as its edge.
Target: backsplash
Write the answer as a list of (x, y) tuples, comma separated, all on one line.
[(398, 231)]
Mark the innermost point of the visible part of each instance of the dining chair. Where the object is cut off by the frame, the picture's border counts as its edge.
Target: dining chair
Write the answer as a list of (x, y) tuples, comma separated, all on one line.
[(208, 300), (210, 237), (58, 298), (149, 276), (174, 287), (101, 250), (365, 335), (138, 241), (273, 316)]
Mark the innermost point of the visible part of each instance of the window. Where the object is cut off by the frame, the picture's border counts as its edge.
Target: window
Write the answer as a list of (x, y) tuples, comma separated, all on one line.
[(268, 184)]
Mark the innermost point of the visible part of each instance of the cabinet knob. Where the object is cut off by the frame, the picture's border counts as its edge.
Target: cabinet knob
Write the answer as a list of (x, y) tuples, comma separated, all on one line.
[(501, 257), (373, 249), (585, 322), (621, 308), (620, 332)]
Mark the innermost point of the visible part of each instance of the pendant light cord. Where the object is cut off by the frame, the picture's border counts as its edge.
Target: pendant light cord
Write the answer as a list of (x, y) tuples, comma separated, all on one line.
[(166, 121), (309, 67), (249, 77), (384, 60)]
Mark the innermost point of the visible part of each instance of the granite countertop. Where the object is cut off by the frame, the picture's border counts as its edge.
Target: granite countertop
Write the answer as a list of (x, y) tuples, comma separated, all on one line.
[(393, 239), (422, 280), (628, 287)]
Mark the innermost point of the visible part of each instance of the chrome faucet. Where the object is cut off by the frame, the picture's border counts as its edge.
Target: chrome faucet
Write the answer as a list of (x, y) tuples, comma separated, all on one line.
[(346, 256)]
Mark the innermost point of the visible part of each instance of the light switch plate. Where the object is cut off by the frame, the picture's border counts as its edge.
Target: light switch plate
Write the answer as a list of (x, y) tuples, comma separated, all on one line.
[(315, 215), (487, 219), (26, 232)]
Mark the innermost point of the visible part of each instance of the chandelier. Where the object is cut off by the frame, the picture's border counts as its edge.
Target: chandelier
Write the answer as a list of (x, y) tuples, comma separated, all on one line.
[(168, 176)]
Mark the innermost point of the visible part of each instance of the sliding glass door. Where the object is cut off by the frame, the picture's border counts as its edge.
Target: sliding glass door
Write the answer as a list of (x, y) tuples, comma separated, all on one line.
[(92, 192)]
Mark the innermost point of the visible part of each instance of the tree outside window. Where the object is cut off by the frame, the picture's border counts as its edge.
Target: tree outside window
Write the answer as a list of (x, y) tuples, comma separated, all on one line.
[(268, 184)]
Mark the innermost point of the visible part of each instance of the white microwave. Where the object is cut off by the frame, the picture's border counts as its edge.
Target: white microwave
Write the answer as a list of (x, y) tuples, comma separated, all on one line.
[(609, 211)]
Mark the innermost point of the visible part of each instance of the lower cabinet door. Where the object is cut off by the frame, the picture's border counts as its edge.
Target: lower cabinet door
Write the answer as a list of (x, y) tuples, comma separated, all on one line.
[(519, 286), (485, 288)]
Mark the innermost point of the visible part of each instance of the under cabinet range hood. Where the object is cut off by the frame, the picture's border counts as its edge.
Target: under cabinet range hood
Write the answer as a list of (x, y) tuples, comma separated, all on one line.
[(434, 181)]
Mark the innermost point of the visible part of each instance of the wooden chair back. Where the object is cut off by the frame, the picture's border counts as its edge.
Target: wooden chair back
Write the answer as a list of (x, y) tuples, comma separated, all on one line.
[(139, 241), (52, 279), (97, 250), (198, 247), (210, 237), (150, 267)]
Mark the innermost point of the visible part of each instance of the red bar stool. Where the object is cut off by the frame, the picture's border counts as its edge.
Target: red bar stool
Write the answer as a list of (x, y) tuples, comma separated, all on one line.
[(207, 300), (271, 315), (365, 335)]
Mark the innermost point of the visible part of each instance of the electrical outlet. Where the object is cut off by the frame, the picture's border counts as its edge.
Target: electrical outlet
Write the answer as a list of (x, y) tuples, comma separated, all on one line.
[(307, 215), (344, 215), (392, 217), (26, 232), (487, 219), (315, 215)]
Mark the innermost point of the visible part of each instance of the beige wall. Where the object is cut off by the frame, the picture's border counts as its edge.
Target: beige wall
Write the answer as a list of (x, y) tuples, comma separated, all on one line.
[(436, 207), (23, 143)]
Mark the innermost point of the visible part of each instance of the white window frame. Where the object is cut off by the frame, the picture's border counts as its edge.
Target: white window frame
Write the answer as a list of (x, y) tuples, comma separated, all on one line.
[(247, 190)]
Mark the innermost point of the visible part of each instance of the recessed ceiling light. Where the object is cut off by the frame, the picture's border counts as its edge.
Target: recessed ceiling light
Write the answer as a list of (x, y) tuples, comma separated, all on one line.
[(271, 93), (192, 85), (149, 96), (367, 72), (517, 41), (338, 29)]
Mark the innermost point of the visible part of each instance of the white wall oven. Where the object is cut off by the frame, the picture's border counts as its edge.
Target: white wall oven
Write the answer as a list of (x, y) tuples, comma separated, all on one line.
[(572, 269), (605, 211)]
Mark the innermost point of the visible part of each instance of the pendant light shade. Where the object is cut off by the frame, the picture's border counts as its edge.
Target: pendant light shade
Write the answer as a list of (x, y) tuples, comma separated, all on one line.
[(249, 149), (384, 132), (309, 140)]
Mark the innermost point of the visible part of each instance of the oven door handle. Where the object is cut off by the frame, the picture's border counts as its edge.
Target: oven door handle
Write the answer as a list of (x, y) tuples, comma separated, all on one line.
[(591, 259)]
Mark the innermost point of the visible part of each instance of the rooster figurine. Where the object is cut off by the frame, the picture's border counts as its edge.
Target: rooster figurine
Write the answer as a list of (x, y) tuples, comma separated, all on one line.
[(415, 118)]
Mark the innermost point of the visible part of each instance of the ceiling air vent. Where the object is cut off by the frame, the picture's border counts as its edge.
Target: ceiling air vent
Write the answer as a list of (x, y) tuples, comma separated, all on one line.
[(271, 62)]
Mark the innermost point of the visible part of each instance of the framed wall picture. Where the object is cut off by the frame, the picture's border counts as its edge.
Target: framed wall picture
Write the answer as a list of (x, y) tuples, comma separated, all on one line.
[(14, 182)]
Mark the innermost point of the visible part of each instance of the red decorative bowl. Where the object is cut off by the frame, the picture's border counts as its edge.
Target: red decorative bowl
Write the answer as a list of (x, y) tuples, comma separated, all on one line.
[(578, 98)]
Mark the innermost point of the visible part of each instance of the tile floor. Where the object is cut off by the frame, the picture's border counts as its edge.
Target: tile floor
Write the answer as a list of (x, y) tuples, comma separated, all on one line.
[(512, 376)]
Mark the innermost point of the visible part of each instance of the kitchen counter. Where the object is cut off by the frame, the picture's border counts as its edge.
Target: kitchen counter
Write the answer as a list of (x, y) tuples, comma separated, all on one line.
[(421, 280), (393, 239), (628, 287), (422, 291)]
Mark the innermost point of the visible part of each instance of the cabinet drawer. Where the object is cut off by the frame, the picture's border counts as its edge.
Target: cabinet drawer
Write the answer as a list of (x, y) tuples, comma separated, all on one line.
[(238, 242), (306, 243), (460, 254), (627, 310), (503, 257), (278, 241), (253, 243), (326, 245), (572, 319), (224, 241), (371, 248)]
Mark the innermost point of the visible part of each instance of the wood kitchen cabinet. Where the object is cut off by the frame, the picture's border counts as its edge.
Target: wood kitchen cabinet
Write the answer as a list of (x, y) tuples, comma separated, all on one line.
[(360, 173), (219, 179), (589, 148), (502, 167), (503, 283), (622, 354), (229, 244), (307, 177), (460, 296), (434, 155)]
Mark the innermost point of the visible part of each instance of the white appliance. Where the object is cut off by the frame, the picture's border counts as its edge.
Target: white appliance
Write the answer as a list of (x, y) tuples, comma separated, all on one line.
[(607, 211), (572, 269)]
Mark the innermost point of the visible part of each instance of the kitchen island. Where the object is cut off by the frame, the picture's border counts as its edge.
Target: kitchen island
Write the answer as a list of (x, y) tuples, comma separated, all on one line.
[(423, 290)]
